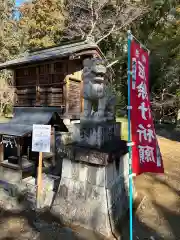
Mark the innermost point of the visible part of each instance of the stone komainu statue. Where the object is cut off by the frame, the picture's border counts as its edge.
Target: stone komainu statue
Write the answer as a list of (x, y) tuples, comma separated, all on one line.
[(97, 90)]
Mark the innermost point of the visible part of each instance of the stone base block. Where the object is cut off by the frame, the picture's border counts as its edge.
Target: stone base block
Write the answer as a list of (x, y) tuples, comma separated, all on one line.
[(10, 175), (91, 156), (47, 190), (63, 138), (95, 135), (92, 196)]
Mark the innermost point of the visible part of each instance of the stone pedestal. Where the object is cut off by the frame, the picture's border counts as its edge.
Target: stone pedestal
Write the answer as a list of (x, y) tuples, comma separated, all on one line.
[(93, 196), (93, 134), (93, 191)]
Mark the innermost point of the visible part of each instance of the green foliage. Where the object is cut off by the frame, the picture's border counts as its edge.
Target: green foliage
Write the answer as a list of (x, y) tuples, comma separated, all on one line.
[(160, 31), (45, 23), (113, 47), (42, 22), (9, 44), (9, 48), (124, 128)]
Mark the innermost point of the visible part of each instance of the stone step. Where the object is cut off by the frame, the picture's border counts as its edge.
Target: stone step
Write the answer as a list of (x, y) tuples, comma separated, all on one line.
[(47, 190), (46, 179), (29, 182), (28, 179), (31, 199)]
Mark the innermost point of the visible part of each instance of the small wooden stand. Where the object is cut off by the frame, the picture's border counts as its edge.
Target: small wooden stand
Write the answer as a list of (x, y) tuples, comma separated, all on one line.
[(41, 142)]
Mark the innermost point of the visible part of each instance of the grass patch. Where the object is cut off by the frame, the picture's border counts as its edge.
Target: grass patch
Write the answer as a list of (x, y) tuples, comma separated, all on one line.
[(169, 131), (124, 128)]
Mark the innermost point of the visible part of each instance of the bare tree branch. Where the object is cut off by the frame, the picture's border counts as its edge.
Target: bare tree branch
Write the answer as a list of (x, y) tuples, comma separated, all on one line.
[(113, 63), (93, 22), (106, 35), (116, 29), (100, 18)]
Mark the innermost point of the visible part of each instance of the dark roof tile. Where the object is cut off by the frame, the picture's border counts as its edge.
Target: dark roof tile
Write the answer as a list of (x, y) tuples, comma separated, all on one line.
[(51, 53)]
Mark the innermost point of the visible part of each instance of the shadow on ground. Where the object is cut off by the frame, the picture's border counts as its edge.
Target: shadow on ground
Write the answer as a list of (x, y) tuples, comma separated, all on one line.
[(158, 215), (28, 224), (45, 226), (143, 231)]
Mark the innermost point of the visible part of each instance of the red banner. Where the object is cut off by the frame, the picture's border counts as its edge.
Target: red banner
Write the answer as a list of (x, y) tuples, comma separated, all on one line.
[(146, 156)]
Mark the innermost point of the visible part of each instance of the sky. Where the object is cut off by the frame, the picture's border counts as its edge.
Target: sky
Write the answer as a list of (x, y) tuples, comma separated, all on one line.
[(18, 2)]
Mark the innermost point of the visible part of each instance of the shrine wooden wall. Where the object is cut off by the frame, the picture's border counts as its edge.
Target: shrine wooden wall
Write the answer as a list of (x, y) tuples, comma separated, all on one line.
[(55, 83)]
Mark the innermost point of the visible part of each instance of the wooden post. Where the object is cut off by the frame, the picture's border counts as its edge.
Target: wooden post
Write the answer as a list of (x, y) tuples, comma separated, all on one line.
[(39, 180), (37, 88), (1, 151), (1, 157), (81, 97), (67, 94), (53, 146)]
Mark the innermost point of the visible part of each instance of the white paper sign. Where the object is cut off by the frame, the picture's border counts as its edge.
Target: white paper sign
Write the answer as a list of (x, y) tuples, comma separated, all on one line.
[(41, 138)]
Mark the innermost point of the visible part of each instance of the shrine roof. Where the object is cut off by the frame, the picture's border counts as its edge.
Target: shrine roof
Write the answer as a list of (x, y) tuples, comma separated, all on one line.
[(24, 118), (51, 53)]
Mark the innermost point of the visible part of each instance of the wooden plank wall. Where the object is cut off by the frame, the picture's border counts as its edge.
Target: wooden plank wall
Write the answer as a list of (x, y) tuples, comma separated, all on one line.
[(44, 81), (73, 87), (50, 84)]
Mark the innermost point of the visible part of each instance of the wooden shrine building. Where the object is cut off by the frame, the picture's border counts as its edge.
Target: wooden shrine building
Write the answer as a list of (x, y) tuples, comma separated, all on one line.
[(47, 86)]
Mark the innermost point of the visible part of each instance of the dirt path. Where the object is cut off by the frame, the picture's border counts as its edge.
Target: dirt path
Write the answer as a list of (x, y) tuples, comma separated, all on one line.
[(158, 216)]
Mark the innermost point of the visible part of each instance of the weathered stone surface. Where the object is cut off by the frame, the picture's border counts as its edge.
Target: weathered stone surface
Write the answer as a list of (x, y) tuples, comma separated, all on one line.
[(95, 135), (94, 175), (100, 177), (91, 156), (110, 174), (96, 89), (80, 190), (90, 212), (66, 168), (117, 190), (10, 175), (9, 203), (124, 165), (47, 191), (113, 172), (92, 196), (63, 138)]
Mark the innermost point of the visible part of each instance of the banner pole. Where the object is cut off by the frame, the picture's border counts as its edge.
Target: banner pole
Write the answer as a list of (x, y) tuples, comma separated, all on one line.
[(129, 140)]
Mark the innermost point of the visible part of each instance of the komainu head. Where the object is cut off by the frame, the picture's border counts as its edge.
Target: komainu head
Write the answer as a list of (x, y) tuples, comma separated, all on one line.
[(94, 70)]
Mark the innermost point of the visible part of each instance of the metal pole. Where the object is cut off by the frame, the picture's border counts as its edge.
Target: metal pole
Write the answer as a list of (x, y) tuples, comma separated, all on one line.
[(129, 141)]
